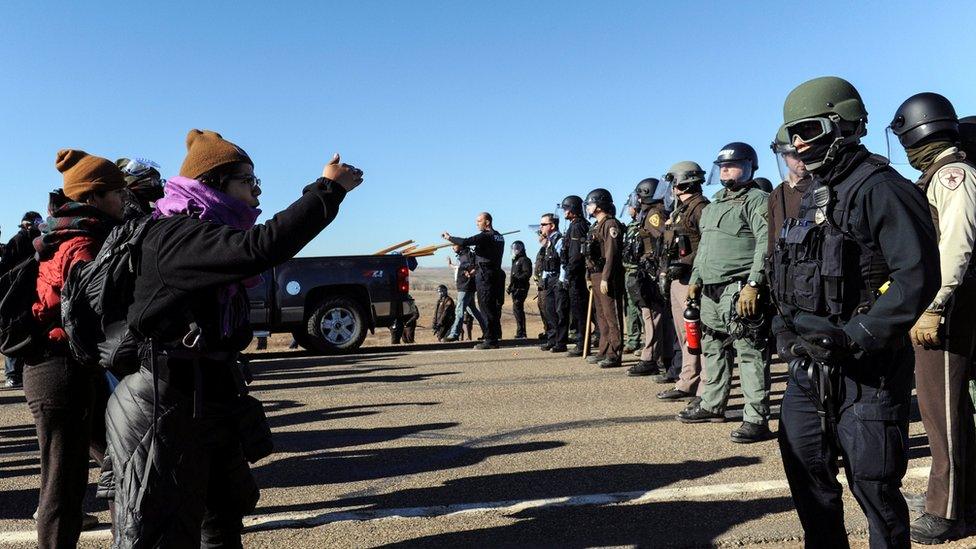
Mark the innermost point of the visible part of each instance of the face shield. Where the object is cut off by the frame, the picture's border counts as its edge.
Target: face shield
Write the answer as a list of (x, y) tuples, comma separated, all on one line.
[(730, 174), (791, 168), (896, 152), (590, 209), (633, 205)]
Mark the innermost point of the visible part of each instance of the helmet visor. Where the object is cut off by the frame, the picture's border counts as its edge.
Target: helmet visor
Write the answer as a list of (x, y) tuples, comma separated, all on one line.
[(791, 168), (896, 152), (730, 173)]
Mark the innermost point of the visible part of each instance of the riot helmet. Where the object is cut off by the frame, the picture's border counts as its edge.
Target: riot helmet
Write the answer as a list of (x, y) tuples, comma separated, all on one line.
[(685, 177), (764, 184), (518, 248), (820, 117), (792, 170), (573, 204), (599, 199), (736, 164), (651, 190), (923, 115), (633, 204)]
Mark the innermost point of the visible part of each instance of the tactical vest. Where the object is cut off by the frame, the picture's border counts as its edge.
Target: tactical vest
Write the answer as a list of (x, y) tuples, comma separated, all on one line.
[(633, 247), (576, 236), (820, 267), (551, 260), (593, 251)]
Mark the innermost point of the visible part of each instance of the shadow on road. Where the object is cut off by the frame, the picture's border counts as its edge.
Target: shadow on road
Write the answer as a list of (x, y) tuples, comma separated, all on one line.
[(648, 525), (312, 440), (410, 378), (326, 414)]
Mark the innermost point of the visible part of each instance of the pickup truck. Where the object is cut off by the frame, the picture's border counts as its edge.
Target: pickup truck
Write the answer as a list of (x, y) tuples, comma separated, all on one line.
[(329, 303)]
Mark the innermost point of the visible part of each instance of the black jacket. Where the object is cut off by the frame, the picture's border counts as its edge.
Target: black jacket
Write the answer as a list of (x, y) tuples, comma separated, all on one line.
[(573, 255), (488, 248), (186, 263), (465, 278), (521, 273), (20, 247)]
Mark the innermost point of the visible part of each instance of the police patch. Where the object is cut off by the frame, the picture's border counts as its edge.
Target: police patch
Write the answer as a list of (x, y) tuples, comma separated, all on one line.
[(614, 232), (656, 220), (951, 177)]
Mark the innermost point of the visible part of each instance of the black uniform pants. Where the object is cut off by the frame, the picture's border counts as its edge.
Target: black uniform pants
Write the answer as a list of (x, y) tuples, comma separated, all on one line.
[(557, 309), (871, 435), (579, 300), (489, 301), (518, 310), (67, 403)]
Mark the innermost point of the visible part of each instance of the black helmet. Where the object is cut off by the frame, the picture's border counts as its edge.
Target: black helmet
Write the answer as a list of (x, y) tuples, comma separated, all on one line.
[(735, 153), (602, 199), (574, 204), (32, 217), (764, 184), (647, 191), (518, 246), (923, 115), (738, 151)]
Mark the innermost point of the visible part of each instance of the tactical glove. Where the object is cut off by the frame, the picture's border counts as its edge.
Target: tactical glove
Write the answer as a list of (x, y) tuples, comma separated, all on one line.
[(786, 345), (822, 340), (748, 304), (693, 292), (925, 332)]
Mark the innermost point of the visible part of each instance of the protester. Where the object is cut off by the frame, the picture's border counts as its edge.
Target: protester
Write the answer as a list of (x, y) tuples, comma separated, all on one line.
[(181, 428), (443, 314), (19, 248), (60, 392)]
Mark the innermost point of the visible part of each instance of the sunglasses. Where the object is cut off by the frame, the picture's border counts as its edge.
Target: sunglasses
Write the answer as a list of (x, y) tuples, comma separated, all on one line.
[(545, 224)]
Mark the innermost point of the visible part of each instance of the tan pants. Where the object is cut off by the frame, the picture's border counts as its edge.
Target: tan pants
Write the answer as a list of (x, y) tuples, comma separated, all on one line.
[(691, 378), (654, 331)]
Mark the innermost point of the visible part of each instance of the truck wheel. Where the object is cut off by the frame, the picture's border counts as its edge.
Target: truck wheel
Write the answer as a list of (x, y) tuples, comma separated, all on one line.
[(336, 325)]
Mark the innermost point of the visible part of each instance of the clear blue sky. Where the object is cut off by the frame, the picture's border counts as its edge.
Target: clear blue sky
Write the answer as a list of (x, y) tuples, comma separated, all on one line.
[(449, 107)]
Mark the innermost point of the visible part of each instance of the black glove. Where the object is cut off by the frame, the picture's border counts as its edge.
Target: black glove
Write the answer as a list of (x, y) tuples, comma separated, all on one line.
[(822, 340)]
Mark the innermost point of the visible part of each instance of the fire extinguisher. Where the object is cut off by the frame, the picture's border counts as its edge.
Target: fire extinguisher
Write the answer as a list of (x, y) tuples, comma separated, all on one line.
[(693, 328)]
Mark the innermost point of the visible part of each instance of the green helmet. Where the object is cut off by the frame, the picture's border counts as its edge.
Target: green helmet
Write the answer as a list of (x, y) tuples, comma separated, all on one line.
[(685, 173), (825, 114), (823, 96)]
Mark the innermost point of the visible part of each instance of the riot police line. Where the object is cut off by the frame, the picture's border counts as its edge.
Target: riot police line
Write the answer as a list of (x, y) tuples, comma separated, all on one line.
[(859, 280), (847, 289)]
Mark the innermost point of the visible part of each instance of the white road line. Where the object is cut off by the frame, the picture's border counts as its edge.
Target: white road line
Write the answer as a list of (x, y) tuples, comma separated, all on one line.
[(305, 520)]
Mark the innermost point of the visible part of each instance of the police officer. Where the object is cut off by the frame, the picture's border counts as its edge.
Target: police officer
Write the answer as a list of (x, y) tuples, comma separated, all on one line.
[(681, 240), (630, 254), (728, 275), (489, 245), (944, 336), (540, 296), (853, 273), (650, 222), (555, 299), (573, 259), (606, 273), (518, 286)]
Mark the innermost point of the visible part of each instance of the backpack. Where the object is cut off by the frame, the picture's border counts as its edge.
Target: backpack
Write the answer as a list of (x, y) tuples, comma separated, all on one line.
[(96, 297), (20, 334)]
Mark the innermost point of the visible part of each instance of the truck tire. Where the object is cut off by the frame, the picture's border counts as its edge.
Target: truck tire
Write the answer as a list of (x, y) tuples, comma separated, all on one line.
[(337, 324)]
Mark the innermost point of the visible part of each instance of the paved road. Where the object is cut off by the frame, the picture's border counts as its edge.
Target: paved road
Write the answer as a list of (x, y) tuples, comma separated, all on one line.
[(482, 448)]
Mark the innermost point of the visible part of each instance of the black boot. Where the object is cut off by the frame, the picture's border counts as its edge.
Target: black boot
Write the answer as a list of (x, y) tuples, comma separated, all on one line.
[(575, 352), (610, 363), (931, 530), (644, 368), (751, 432), (699, 415), (674, 394), (594, 359)]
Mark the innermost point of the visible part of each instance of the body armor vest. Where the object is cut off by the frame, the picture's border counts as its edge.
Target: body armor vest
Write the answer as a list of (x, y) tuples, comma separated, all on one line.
[(633, 247), (551, 260), (594, 255), (820, 266)]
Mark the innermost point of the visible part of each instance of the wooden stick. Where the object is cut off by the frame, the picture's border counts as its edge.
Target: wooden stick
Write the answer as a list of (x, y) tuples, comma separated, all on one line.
[(408, 249), (587, 329), (385, 251)]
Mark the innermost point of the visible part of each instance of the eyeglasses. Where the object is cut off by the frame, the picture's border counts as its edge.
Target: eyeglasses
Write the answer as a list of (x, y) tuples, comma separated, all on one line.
[(545, 224), (250, 180)]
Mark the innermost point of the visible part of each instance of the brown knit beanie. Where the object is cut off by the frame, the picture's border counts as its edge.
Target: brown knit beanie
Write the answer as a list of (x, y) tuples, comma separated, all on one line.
[(206, 150), (84, 173)]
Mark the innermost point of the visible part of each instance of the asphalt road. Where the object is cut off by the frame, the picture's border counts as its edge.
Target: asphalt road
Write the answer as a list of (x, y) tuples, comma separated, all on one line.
[(511, 447)]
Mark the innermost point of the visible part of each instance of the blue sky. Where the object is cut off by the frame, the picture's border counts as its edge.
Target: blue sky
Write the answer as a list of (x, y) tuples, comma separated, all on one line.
[(449, 107)]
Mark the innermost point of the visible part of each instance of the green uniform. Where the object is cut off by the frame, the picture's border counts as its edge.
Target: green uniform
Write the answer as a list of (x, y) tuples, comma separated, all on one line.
[(733, 243), (634, 325)]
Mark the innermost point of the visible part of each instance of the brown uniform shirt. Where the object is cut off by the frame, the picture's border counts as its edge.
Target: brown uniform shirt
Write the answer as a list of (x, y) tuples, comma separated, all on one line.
[(608, 236), (784, 203), (652, 228), (684, 221)]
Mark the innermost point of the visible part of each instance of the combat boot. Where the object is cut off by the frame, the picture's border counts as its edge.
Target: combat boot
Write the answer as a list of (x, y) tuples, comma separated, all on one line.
[(674, 394), (630, 348), (699, 415), (750, 432), (694, 402), (594, 359), (932, 530), (546, 347), (558, 349), (644, 368), (610, 363), (485, 345), (575, 352)]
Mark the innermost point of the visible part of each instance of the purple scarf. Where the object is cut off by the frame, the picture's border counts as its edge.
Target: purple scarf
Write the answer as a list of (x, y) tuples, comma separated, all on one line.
[(185, 196)]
